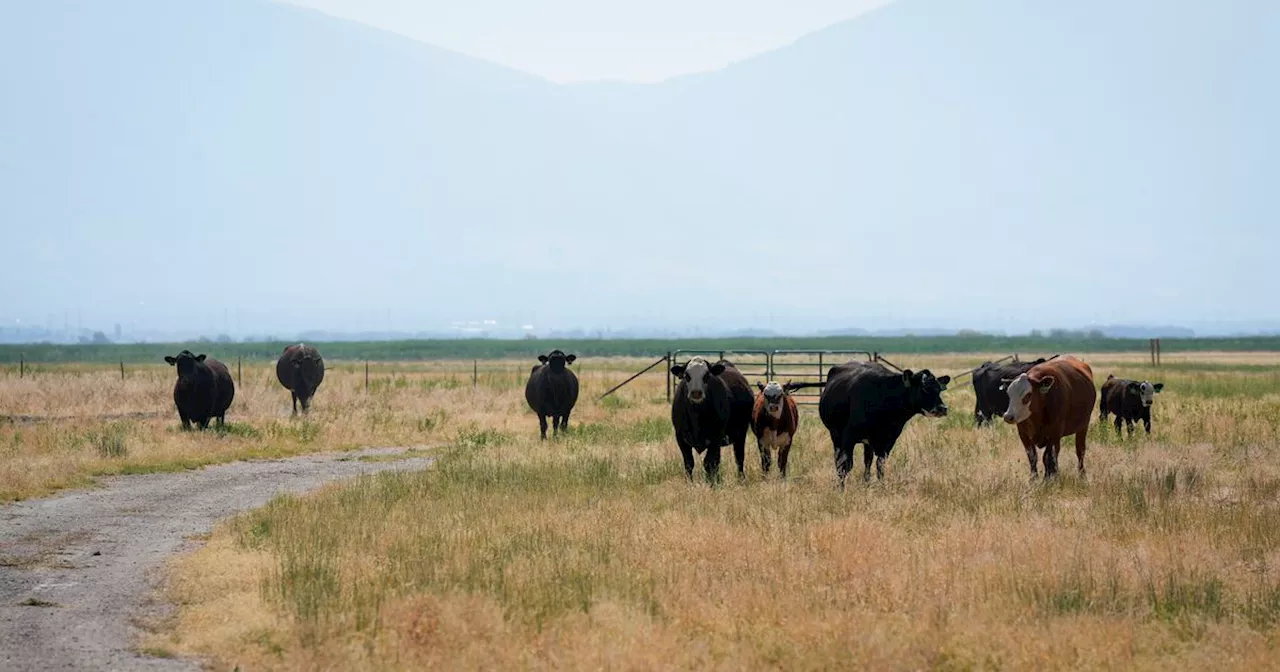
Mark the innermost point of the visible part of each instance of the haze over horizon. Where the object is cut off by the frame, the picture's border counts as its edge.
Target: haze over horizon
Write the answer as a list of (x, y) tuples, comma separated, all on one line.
[(252, 167)]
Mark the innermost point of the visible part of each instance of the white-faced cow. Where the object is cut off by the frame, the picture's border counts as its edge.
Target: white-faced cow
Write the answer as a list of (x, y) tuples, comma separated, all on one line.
[(711, 409), (1051, 401), (552, 391), (203, 391), (775, 418), (991, 401), (865, 402), (1129, 400)]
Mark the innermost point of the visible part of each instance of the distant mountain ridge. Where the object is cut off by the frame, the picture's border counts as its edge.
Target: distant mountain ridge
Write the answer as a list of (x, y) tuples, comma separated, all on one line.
[(988, 162)]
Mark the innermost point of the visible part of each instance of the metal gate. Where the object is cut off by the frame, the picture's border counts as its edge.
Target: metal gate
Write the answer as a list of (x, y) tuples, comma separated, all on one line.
[(753, 364), (809, 366)]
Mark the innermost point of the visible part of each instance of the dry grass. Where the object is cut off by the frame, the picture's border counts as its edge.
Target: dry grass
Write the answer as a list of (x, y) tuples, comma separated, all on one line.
[(595, 552), (62, 425)]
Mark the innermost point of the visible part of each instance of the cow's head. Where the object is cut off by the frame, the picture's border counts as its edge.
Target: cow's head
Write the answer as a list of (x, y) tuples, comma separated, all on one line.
[(1145, 392), (696, 374), (1026, 394), (773, 393), (557, 359), (926, 392), (186, 362)]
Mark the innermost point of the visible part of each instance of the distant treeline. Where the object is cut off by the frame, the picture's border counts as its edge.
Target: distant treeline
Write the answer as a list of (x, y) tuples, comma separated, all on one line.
[(529, 349)]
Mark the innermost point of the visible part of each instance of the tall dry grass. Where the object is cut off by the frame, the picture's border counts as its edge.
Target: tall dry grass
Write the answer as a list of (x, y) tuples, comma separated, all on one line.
[(61, 425), (594, 551)]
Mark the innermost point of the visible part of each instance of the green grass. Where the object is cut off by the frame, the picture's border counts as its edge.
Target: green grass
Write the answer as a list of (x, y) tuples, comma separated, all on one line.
[(501, 349)]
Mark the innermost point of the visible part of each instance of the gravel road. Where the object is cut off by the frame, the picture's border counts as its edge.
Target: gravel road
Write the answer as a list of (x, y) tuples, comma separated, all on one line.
[(78, 570)]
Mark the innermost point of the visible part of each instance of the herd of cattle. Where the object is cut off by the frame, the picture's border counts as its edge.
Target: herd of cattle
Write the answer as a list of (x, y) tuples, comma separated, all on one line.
[(714, 406)]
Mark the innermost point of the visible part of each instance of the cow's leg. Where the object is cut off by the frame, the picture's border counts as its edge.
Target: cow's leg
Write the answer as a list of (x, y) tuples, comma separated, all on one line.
[(186, 422), (1080, 448), (306, 405), (844, 456), (295, 401), (542, 425), (766, 457), (1128, 424), (686, 453), (1146, 422), (1031, 457), (564, 421), (204, 422), (783, 452), (880, 457), (740, 454), (555, 426), (978, 417), (1051, 459), (1119, 423), (711, 465), (867, 454)]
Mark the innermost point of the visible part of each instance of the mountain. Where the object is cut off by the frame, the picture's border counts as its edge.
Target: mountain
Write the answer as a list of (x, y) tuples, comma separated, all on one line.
[(995, 164)]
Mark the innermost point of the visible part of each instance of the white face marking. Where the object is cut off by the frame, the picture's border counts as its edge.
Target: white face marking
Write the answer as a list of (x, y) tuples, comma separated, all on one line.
[(1019, 400), (773, 399), (1148, 393), (694, 375)]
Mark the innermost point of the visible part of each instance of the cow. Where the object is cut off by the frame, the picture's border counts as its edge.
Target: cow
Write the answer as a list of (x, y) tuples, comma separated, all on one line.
[(1129, 401), (711, 409), (1049, 402), (203, 391), (300, 370), (865, 402), (774, 420), (552, 391), (992, 401)]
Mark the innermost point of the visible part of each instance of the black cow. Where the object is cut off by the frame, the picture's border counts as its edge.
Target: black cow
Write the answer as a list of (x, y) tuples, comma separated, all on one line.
[(711, 409), (992, 400), (552, 390), (1129, 400), (866, 403), (204, 389), (300, 370)]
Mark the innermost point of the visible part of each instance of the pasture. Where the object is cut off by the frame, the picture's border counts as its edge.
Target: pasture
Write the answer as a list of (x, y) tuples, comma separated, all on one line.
[(594, 551)]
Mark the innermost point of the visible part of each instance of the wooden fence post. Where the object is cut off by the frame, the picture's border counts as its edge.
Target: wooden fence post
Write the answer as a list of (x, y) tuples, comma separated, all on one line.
[(239, 373), (366, 375), (122, 369), (475, 374), (22, 365)]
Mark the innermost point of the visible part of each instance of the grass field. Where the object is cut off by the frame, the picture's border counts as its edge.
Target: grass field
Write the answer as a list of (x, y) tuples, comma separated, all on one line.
[(593, 551)]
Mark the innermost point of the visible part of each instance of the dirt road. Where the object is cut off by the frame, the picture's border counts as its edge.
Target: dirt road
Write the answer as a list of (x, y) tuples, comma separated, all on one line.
[(78, 570)]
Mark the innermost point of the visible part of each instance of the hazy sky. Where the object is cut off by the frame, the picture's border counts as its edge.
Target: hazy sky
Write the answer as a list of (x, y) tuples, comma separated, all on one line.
[(588, 40)]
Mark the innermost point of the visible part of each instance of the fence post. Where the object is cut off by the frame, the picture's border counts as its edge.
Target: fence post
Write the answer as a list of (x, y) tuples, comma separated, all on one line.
[(475, 373), (366, 375), (122, 369), (22, 365), (669, 365), (1158, 352), (239, 374)]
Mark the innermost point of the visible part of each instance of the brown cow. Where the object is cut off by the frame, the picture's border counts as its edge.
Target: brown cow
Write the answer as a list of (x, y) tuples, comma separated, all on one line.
[(1052, 400), (774, 420)]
